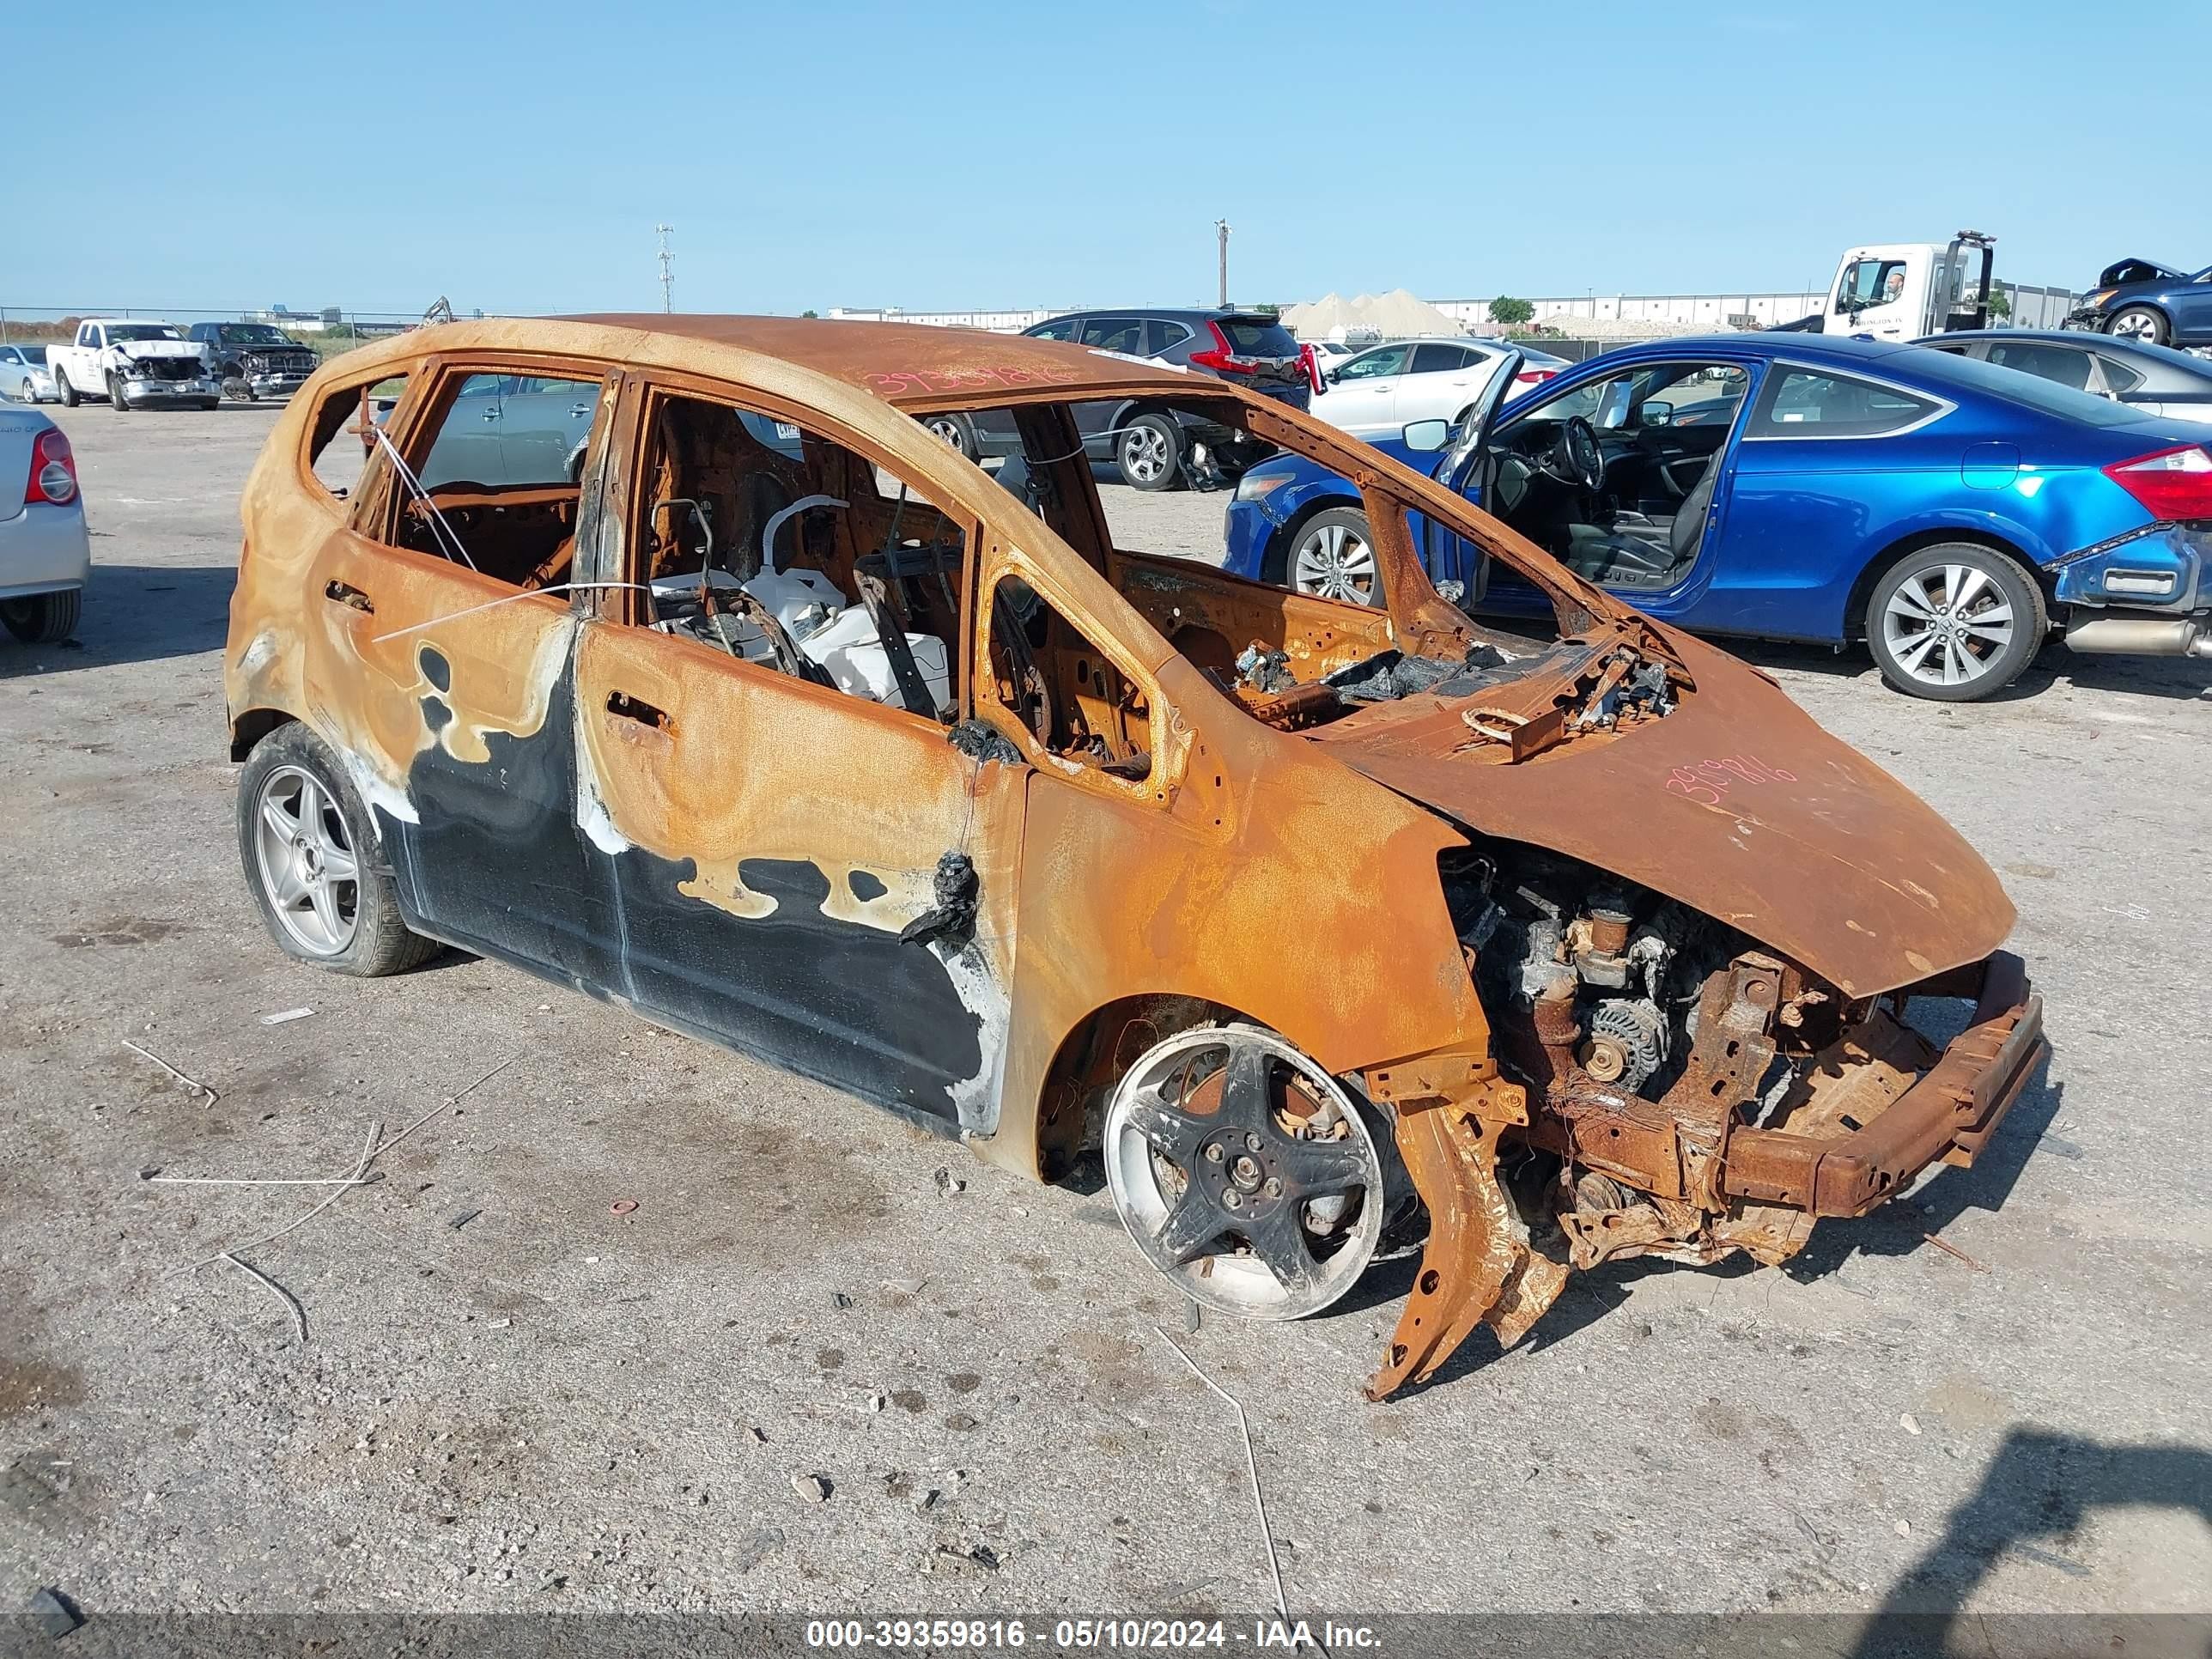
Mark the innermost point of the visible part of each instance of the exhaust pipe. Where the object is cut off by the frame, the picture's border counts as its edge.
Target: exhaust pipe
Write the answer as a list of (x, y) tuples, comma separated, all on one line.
[(2141, 636)]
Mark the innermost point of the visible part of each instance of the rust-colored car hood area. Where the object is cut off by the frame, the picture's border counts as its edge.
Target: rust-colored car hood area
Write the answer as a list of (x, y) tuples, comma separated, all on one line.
[(1736, 804)]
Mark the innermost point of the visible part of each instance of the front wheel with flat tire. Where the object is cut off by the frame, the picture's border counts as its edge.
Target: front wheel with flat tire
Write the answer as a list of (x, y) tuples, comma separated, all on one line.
[(115, 394), (1332, 556), (2142, 324), (1954, 623), (310, 852), (43, 618), (1148, 453)]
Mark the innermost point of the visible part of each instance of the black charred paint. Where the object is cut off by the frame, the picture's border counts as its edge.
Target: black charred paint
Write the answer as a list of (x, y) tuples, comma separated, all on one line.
[(495, 862), (866, 888), (851, 1005), (435, 669), (499, 864), (435, 715)]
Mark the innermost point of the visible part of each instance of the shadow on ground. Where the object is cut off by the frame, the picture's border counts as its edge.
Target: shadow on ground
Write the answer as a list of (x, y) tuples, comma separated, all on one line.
[(2035, 1496), (135, 613), (2182, 677)]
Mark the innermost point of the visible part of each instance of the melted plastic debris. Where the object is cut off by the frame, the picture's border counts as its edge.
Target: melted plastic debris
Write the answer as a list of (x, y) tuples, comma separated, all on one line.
[(1392, 674)]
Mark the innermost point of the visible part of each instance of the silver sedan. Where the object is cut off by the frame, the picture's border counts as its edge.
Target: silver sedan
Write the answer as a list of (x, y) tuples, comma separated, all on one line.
[(45, 556), (24, 376)]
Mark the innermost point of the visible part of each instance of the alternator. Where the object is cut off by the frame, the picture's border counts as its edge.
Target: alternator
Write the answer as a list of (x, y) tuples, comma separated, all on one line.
[(1627, 1042)]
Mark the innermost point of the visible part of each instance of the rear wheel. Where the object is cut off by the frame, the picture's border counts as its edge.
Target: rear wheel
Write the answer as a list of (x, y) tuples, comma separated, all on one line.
[(43, 618), (954, 430), (2141, 322), (1954, 623), (1148, 453), (64, 390), (309, 849)]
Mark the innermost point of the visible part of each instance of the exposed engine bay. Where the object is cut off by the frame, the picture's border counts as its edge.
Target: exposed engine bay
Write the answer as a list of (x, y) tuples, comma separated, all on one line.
[(1644, 1033)]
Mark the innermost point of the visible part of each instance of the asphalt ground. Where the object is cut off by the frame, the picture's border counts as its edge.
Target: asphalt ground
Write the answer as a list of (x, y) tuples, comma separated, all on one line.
[(511, 1398)]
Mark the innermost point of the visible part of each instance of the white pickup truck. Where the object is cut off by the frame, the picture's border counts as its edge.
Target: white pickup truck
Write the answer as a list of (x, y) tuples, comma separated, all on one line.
[(134, 365)]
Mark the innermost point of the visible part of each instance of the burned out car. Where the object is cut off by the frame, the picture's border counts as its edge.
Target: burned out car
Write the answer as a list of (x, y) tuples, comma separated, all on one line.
[(784, 725)]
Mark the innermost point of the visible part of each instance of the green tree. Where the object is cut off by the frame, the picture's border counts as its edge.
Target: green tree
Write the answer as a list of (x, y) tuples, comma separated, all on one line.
[(1510, 312), (810, 313), (2000, 306)]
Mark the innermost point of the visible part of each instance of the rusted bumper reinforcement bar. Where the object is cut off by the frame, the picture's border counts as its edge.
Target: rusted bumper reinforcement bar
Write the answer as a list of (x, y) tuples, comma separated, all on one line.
[(1949, 1113)]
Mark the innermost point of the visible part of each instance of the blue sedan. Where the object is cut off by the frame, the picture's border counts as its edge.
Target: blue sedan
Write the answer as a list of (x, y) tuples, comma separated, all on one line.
[(1799, 487)]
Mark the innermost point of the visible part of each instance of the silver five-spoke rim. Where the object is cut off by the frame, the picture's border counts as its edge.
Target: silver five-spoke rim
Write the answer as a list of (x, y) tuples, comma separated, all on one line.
[(1244, 1172), (1947, 624), (948, 429), (307, 864), (1145, 454), (2134, 325), (1334, 561)]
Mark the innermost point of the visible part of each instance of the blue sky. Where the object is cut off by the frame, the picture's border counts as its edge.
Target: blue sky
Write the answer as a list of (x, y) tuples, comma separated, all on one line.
[(517, 156)]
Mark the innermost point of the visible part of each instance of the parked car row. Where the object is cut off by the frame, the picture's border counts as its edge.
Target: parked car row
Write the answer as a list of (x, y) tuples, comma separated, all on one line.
[(139, 364)]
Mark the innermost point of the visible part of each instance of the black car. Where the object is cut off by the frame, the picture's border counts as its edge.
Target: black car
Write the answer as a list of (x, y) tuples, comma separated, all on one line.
[(1152, 446), (255, 359), (2153, 380), (2142, 300)]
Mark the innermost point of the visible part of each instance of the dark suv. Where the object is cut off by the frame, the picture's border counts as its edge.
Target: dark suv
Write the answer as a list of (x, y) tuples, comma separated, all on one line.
[(1149, 444), (256, 360)]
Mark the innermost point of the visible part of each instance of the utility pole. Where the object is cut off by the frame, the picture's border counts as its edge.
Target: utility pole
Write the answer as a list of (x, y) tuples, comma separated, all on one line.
[(1221, 230), (667, 269)]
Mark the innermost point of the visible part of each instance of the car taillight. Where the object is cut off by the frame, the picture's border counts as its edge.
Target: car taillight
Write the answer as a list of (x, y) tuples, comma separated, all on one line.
[(1221, 359), (53, 471), (2171, 483), (1534, 376), (1309, 360)]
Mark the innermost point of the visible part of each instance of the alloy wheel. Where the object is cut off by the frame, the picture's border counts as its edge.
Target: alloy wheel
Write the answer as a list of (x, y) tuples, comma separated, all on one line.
[(1947, 624), (2135, 326), (1144, 454), (1333, 561), (1244, 1172), (306, 861)]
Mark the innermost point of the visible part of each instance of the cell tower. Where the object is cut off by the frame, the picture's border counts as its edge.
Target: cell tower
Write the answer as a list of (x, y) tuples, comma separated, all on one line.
[(667, 268)]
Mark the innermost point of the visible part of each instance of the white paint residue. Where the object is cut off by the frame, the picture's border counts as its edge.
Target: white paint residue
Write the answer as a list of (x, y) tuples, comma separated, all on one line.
[(977, 1098), (599, 824), (379, 795), (258, 656)]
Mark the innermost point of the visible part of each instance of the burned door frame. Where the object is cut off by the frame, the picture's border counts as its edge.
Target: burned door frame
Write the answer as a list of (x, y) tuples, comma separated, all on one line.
[(464, 681), (803, 875)]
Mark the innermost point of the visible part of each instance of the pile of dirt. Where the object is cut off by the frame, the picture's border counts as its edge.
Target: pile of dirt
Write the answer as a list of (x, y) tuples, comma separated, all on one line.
[(1396, 315)]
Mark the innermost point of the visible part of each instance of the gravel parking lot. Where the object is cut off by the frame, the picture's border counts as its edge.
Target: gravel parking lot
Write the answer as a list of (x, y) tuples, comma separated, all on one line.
[(511, 1397)]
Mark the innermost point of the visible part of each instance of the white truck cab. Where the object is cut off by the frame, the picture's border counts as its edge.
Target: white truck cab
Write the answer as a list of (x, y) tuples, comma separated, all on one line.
[(133, 364), (1902, 290)]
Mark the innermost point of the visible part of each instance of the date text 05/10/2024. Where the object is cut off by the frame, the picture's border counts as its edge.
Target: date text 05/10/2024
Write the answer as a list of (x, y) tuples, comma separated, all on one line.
[(1085, 1635)]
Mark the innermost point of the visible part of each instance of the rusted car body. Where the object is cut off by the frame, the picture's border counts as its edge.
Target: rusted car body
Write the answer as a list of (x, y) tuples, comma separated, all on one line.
[(1627, 971)]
